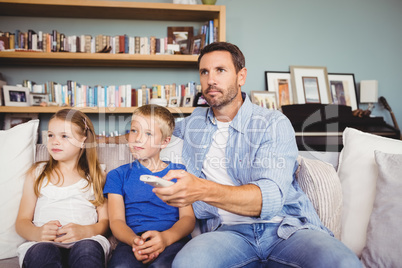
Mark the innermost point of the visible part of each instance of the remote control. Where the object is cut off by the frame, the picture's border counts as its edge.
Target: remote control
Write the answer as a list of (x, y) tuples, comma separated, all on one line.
[(155, 181)]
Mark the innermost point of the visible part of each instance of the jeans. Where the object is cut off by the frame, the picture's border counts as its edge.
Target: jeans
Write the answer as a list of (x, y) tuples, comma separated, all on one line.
[(84, 253), (123, 256), (257, 245)]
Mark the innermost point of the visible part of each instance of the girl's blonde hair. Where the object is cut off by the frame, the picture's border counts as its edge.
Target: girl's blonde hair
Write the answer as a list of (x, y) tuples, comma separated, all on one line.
[(161, 115), (88, 158)]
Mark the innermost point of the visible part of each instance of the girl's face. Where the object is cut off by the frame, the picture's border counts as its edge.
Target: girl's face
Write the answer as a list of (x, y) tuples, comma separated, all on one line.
[(145, 139), (64, 140)]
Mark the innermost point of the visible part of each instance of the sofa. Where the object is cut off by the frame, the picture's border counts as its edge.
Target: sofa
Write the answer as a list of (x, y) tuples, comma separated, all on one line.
[(355, 192)]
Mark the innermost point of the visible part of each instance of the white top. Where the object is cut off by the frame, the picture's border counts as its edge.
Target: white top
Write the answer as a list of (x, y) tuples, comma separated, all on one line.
[(215, 169), (70, 204)]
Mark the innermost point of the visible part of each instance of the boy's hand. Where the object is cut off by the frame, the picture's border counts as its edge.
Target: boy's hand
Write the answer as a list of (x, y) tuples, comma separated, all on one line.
[(138, 241), (48, 231), (154, 244), (72, 232)]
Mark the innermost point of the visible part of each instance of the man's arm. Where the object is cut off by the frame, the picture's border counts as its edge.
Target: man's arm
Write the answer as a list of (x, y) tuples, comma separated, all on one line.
[(268, 182), (243, 200)]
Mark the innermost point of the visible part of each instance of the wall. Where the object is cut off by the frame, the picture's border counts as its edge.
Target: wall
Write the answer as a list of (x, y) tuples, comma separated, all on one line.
[(347, 36)]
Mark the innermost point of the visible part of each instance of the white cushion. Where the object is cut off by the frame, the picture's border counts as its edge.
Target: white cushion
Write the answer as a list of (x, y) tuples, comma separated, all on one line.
[(358, 174), (321, 184), (16, 157), (384, 232)]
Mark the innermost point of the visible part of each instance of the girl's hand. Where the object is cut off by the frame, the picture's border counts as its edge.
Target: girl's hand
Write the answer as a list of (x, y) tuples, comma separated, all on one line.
[(155, 243), (48, 231), (72, 232)]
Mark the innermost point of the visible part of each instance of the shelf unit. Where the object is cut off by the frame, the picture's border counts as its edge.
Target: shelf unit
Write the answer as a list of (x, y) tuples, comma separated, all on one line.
[(87, 110), (106, 10)]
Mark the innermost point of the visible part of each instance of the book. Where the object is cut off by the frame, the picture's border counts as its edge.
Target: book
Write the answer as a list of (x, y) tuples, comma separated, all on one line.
[(152, 45), (4, 43), (137, 44), (11, 41)]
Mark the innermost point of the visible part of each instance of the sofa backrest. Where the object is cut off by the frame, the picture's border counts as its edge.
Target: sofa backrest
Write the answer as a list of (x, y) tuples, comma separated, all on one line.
[(114, 155)]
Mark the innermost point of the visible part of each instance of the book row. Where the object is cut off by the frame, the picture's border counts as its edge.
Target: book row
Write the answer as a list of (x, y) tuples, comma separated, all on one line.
[(78, 95), (58, 42)]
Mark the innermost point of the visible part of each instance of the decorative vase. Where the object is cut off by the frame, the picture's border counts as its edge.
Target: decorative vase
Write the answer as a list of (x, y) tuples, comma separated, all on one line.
[(209, 2)]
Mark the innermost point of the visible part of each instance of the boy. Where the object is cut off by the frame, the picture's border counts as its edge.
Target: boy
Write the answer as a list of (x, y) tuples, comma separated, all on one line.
[(149, 230)]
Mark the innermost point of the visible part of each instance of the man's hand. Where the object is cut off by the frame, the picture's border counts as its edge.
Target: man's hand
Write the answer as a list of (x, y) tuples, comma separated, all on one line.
[(184, 192)]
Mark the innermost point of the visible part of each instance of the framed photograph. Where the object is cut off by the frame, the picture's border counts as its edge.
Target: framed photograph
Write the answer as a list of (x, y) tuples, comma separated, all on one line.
[(311, 89), (265, 99), (310, 85), (16, 96), (188, 101), (2, 83), (280, 83), (174, 102), (200, 101), (343, 89), (197, 43), (11, 120), (184, 46), (37, 98), (177, 34)]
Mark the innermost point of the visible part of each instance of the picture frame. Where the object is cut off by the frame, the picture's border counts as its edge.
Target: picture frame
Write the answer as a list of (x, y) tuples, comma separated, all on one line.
[(265, 99), (200, 101), (174, 101), (16, 96), (188, 101), (184, 46), (310, 84), (197, 43), (2, 83), (177, 34), (13, 119), (343, 89), (37, 98), (280, 83)]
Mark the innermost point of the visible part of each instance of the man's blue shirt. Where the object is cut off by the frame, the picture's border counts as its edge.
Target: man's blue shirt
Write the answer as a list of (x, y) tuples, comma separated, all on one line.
[(261, 150)]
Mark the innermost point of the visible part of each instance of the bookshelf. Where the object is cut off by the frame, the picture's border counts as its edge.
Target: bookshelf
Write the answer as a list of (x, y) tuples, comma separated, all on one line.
[(113, 10), (87, 110), (108, 10)]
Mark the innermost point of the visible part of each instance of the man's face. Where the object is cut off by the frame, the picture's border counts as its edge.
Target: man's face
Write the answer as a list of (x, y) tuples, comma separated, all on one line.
[(219, 81)]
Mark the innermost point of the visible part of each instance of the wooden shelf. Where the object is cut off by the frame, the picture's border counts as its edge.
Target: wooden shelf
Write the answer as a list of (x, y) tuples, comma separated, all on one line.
[(96, 59), (87, 110), (94, 9), (105, 10), (108, 10)]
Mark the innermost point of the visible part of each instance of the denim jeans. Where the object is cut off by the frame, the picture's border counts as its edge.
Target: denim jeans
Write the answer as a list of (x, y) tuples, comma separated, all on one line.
[(257, 245), (123, 256), (84, 253)]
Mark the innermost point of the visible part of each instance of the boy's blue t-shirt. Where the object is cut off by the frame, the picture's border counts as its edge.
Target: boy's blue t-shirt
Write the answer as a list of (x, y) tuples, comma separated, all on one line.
[(144, 210)]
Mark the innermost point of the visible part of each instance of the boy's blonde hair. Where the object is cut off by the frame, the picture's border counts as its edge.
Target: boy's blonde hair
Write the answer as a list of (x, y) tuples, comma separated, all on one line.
[(161, 115)]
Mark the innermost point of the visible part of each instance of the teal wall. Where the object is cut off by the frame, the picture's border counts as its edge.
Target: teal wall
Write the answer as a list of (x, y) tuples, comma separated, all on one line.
[(347, 36)]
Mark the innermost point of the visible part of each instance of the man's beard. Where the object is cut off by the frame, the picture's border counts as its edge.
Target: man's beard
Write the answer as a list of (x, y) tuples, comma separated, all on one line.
[(219, 103)]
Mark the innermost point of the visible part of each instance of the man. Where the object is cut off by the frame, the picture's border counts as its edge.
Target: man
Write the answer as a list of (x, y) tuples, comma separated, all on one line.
[(241, 160)]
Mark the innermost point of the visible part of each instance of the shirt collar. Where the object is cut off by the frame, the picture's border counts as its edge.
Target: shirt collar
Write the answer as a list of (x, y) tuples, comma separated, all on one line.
[(244, 112)]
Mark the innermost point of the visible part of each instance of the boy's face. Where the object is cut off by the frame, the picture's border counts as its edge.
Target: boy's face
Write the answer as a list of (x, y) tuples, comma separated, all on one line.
[(145, 139)]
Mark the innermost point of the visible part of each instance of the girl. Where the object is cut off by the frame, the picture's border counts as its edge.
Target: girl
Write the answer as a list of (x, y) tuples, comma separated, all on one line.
[(63, 212)]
